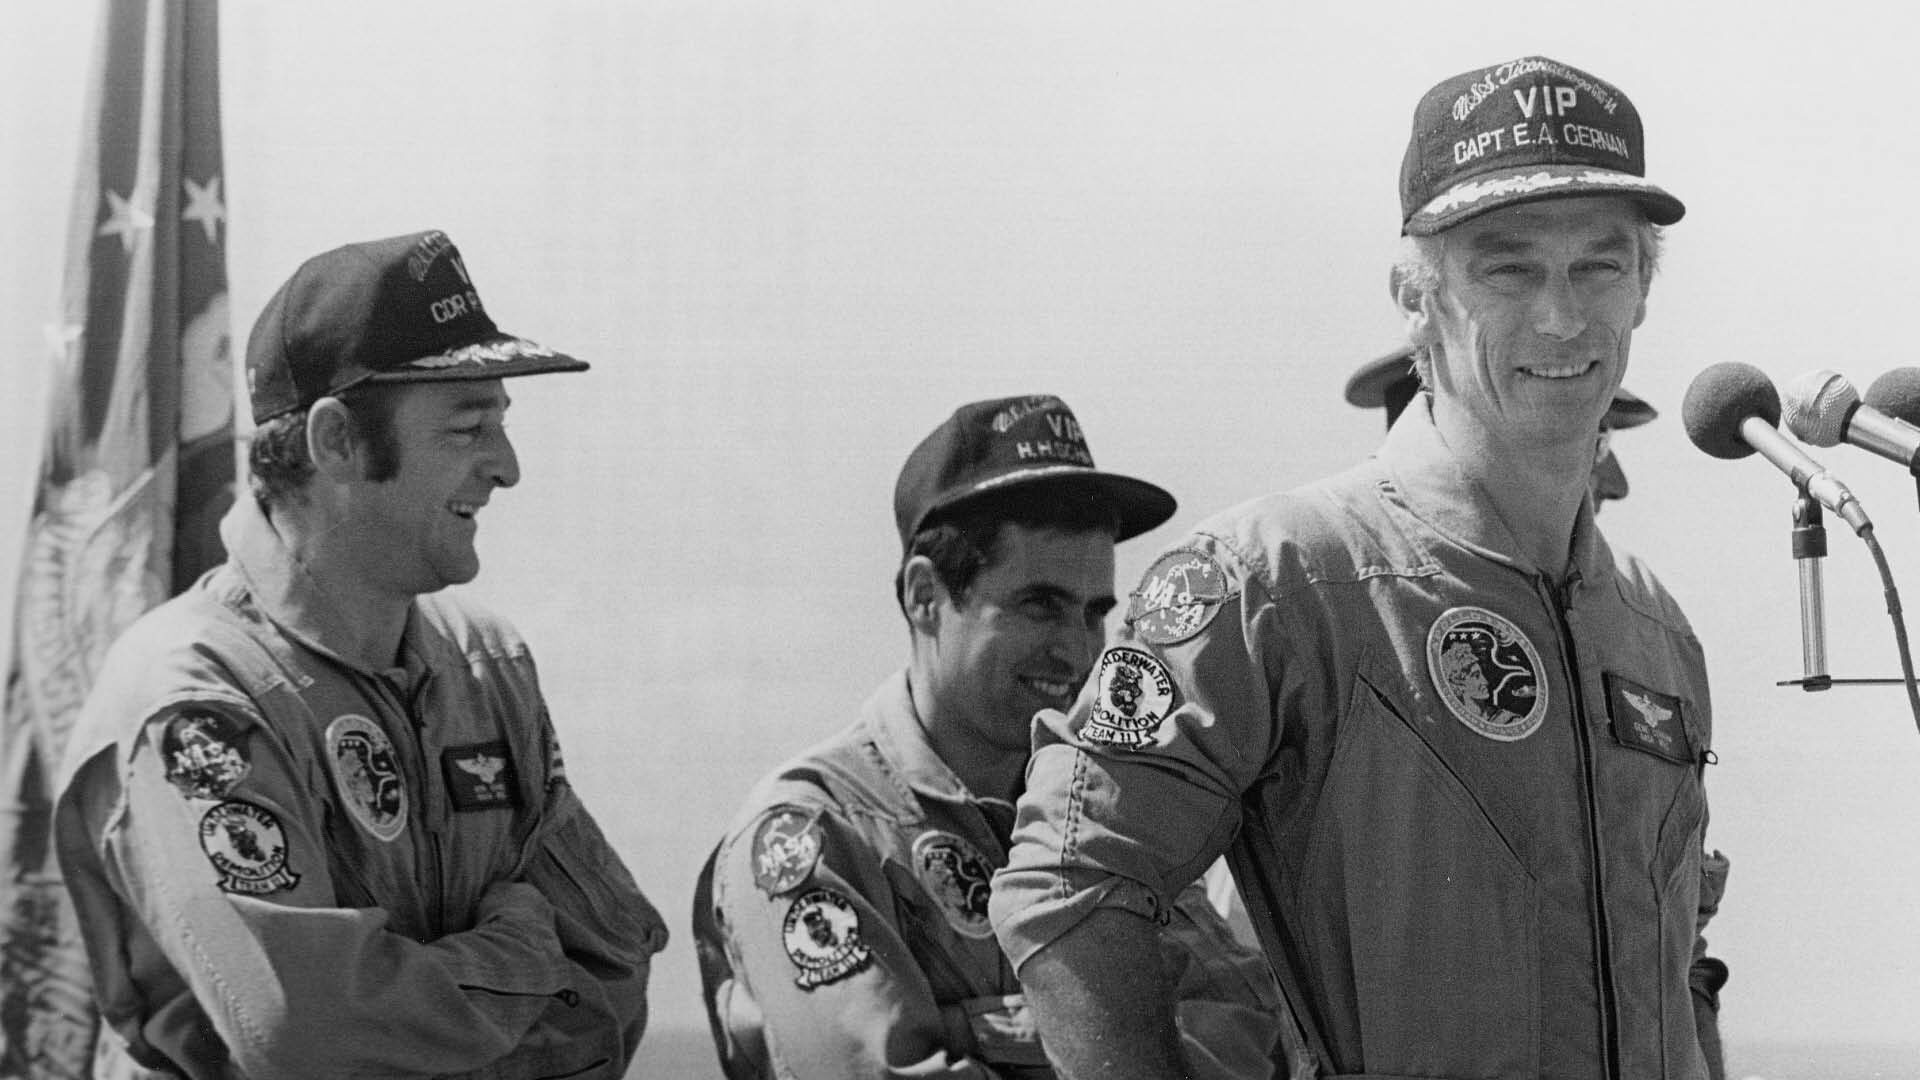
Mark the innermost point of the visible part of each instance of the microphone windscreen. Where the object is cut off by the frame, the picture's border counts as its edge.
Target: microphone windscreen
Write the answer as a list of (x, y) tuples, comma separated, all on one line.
[(1720, 399), (1897, 393), (1817, 406)]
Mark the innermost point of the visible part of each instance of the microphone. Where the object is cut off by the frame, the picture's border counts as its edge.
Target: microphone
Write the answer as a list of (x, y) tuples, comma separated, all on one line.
[(1731, 410), (1824, 409), (1897, 393), (1809, 547)]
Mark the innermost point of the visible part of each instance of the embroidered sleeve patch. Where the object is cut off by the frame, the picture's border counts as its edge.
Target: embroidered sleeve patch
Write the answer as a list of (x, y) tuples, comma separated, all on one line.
[(556, 765), (366, 775), (1488, 673), (1647, 720), (1180, 594), (205, 750), (481, 776), (248, 848), (958, 878), (786, 845), (1135, 695), (822, 937)]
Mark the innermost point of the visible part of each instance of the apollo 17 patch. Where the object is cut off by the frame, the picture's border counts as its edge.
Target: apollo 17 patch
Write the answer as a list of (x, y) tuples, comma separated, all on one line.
[(958, 878), (1135, 694), (366, 775), (247, 847), (822, 935), (1647, 720), (205, 751), (786, 845), (1180, 594), (481, 776), (1488, 674)]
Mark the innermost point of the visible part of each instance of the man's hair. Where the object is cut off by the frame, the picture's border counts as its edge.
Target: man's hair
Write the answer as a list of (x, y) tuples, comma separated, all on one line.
[(1422, 259), (964, 541), (277, 462)]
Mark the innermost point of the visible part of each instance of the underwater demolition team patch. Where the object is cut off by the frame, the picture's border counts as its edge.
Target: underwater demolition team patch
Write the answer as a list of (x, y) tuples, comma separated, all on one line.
[(1487, 673), (248, 847), (1135, 693), (822, 937)]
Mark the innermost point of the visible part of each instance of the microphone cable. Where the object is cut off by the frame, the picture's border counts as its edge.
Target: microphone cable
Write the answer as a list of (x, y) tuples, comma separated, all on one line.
[(1899, 623)]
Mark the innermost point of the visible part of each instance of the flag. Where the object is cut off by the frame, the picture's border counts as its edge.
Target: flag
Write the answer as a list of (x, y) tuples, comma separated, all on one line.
[(138, 466)]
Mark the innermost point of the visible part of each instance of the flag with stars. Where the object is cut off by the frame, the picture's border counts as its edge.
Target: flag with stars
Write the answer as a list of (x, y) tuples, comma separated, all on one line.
[(138, 466)]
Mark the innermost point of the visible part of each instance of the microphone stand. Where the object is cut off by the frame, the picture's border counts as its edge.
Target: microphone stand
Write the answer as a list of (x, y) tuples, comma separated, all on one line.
[(1809, 547)]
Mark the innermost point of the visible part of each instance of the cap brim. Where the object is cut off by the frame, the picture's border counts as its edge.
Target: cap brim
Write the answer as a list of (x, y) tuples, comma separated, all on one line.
[(500, 356), (1368, 387), (1138, 505), (1507, 187), (1628, 410)]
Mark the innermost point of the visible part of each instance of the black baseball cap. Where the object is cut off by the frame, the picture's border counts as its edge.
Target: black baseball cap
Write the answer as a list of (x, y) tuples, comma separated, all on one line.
[(1029, 444), (402, 309), (1521, 131)]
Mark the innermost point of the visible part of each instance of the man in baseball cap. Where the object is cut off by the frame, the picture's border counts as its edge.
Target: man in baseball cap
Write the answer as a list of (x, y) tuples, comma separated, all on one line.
[(1388, 382), (1452, 747), (842, 922), (316, 821)]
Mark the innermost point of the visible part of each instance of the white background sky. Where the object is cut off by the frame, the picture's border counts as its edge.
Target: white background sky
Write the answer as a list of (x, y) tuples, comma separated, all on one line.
[(792, 236)]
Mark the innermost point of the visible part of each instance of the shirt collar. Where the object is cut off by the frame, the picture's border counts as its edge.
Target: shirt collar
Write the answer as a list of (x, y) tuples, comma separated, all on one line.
[(286, 594), (1428, 475)]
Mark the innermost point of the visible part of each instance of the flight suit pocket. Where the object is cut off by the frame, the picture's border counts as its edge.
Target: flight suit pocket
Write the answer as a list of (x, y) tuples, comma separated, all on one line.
[(1676, 886), (1413, 898)]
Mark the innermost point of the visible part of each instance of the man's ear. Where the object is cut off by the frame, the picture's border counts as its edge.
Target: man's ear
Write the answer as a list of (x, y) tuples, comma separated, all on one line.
[(921, 594), (1416, 307), (331, 441)]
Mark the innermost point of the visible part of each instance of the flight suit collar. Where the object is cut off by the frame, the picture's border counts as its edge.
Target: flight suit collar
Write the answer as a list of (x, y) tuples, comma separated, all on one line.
[(1428, 476)]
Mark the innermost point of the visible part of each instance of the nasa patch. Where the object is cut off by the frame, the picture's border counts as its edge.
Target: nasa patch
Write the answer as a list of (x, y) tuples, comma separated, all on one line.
[(1488, 673), (822, 936), (786, 845), (958, 878), (248, 848), (1135, 694), (205, 751), (1647, 720), (480, 777), (366, 773), (1180, 594)]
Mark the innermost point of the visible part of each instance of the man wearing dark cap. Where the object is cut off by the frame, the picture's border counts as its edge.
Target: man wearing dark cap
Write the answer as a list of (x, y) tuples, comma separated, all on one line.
[(1390, 383), (846, 930), (1451, 744), (315, 821)]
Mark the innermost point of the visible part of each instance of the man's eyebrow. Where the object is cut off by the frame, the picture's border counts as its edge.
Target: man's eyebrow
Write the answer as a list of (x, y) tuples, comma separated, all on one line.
[(481, 400)]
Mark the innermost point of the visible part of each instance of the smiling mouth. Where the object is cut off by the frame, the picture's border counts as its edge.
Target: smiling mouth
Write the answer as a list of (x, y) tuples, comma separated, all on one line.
[(1054, 689), (1562, 371)]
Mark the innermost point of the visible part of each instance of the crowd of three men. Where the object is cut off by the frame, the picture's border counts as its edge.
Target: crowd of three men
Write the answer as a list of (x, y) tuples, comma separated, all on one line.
[(1450, 744)]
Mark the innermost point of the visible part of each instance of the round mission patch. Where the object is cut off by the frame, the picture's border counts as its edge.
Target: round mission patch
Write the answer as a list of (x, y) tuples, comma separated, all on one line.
[(1179, 595), (1135, 694), (205, 750), (958, 878), (366, 773), (1487, 672), (248, 847), (786, 845), (822, 936)]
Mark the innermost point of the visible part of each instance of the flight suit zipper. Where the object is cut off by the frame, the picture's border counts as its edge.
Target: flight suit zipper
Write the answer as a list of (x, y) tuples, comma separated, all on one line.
[(1558, 600)]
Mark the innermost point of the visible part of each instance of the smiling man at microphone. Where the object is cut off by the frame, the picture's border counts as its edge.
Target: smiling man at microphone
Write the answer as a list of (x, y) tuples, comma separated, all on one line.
[(1450, 742)]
